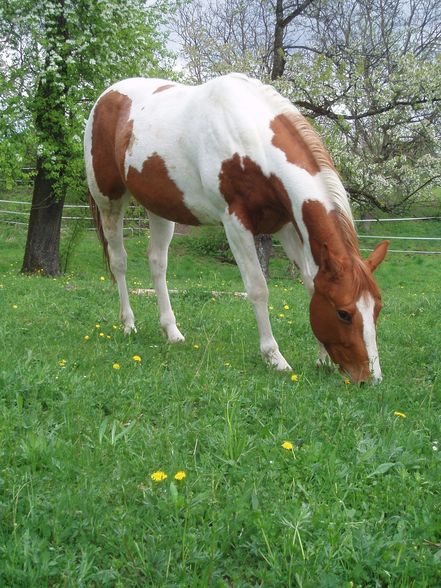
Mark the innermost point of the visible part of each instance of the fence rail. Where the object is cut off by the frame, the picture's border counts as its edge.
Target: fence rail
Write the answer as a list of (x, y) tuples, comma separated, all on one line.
[(141, 223)]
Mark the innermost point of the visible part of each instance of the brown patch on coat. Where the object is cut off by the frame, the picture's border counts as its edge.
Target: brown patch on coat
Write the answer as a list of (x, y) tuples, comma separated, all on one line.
[(164, 87), (111, 136), (301, 144), (323, 227), (260, 202), (157, 192)]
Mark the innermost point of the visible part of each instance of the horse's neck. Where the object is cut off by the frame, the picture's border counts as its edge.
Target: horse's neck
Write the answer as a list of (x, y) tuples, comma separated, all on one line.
[(328, 229)]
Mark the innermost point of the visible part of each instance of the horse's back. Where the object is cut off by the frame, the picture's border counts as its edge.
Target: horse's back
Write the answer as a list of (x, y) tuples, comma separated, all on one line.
[(191, 153)]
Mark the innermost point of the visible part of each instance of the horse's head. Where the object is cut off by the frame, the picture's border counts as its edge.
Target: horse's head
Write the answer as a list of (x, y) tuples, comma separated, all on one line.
[(344, 310)]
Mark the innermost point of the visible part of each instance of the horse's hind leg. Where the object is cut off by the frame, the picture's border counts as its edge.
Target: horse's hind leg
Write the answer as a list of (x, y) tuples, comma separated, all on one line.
[(161, 233), (112, 217)]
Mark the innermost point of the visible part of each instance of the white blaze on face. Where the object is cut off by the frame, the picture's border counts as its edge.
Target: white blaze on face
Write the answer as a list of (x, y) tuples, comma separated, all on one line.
[(366, 306)]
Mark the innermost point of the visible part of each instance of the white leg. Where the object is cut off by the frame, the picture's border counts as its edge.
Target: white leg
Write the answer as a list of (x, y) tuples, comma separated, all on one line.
[(242, 245), (161, 233), (323, 359), (112, 216), (294, 250)]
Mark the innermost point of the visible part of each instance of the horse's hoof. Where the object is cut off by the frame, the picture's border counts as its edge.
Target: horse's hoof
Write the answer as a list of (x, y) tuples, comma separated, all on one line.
[(278, 362), (174, 335), (128, 329)]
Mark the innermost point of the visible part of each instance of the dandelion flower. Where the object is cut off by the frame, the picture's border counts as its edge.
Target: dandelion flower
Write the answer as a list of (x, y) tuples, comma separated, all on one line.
[(347, 382), (14, 306), (114, 327), (180, 475), (400, 414), (102, 335), (286, 307), (102, 278), (195, 346), (294, 378), (281, 315), (108, 337), (86, 337), (136, 358), (62, 362), (97, 326), (158, 476), (116, 366), (288, 445)]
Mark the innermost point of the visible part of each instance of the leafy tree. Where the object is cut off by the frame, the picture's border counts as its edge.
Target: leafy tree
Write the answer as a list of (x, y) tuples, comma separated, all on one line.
[(58, 56), (367, 71)]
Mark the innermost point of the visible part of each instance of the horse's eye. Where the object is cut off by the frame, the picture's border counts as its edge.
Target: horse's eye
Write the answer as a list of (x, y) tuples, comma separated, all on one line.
[(344, 316)]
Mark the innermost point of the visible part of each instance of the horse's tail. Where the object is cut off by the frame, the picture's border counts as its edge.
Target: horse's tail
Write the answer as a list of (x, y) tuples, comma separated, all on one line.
[(99, 229)]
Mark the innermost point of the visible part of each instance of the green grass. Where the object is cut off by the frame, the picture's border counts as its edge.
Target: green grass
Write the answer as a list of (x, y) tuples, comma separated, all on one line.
[(357, 503)]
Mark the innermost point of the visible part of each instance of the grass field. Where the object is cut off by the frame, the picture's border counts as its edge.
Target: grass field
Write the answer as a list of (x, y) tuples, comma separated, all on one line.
[(84, 425)]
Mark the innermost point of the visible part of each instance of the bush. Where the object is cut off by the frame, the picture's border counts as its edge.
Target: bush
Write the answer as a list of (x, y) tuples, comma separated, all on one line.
[(210, 242)]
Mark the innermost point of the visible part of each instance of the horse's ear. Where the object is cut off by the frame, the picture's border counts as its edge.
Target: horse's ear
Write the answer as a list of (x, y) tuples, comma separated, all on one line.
[(330, 264), (377, 255)]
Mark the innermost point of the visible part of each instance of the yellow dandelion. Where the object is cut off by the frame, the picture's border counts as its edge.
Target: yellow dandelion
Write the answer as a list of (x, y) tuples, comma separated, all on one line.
[(86, 337), (180, 475), (62, 362), (288, 445), (116, 366), (102, 335), (14, 306), (347, 381), (97, 326), (108, 337), (195, 346), (286, 307), (158, 476), (400, 414), (136, 358), (294, 378), (102, 278), (227, 364), (114, 327), (281, 315)]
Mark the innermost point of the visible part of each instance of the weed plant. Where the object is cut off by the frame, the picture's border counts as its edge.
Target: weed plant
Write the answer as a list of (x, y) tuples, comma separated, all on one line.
[(289, 481)]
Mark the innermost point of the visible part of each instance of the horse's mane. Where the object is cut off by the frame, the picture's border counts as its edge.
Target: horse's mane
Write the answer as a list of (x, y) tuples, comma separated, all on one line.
[(336, 192)]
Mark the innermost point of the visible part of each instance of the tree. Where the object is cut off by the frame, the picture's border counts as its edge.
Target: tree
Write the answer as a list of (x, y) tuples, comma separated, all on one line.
[(61, 54), (367, 71), (373, 84)]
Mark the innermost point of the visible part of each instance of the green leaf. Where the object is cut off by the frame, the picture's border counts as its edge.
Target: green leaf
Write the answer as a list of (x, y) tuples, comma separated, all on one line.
[(382, 469)]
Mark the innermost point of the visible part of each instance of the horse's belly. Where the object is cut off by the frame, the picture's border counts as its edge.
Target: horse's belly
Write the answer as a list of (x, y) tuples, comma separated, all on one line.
[(157, 192)]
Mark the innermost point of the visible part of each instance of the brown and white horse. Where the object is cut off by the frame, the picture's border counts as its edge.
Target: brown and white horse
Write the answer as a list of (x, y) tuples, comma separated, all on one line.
[(233, 151)]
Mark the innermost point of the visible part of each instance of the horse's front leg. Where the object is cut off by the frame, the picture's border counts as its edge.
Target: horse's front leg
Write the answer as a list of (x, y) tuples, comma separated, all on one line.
[(293, 247), (323, 360), (242, 245), (161, 233)]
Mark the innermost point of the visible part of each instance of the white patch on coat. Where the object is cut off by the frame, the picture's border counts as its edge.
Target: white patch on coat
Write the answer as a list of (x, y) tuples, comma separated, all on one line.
[(366, 305)]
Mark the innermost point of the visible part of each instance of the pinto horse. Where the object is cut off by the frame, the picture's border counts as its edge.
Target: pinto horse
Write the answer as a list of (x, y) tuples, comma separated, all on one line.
[(234, 151)]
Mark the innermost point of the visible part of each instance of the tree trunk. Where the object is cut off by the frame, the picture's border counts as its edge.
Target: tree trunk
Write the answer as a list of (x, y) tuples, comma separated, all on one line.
[(264, 247), (43, 240)]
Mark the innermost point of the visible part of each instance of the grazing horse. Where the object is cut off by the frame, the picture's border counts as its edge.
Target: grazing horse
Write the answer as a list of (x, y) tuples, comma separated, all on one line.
[(233, 151)]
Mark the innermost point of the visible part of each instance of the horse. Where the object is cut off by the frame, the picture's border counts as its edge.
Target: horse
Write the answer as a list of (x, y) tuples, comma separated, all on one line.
[(233, 151)]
